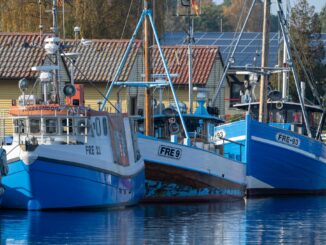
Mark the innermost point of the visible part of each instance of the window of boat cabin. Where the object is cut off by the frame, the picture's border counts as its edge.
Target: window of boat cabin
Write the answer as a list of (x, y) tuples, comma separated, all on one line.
[(314, 118), (20, 126), (235, 89), (277, 116), (294, 116), (65, 127), (35, 126), (51, 125), (98, 126), (81, 126), (105, 126)]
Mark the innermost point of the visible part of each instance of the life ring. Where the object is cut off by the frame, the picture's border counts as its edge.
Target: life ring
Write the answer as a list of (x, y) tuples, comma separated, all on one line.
[(279, 105), (174, 128)]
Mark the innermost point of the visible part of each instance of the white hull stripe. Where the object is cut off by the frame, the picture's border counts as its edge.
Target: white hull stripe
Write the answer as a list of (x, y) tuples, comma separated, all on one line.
[(302, 152)]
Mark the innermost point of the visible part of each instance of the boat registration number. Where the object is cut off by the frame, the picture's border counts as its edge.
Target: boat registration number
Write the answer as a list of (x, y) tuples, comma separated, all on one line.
[(287, 139), (93, 150), (171, 152)]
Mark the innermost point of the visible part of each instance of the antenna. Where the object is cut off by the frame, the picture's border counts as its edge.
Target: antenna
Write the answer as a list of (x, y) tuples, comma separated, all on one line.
[(40, 25)]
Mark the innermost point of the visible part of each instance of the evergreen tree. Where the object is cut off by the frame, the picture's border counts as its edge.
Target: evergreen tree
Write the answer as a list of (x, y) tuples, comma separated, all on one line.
[(305, 29), (236, 12), (322, 18)]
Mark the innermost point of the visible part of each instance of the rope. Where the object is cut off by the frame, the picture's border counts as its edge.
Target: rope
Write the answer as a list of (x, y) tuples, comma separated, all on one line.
[(237, 27), (94, 86), (124, 27)]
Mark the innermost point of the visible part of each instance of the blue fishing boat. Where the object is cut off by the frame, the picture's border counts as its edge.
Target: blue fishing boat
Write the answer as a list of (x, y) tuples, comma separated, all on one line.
[(179, 166), (64, 154), (3, 170), (283, 155)]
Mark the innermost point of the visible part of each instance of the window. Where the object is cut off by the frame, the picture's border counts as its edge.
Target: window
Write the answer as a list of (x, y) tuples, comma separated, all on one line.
[(81, 126), (133, 105), (235, 89), (35, 126), (65, 127), (51, 126), (98, 126), (20, 126), (105, 126)]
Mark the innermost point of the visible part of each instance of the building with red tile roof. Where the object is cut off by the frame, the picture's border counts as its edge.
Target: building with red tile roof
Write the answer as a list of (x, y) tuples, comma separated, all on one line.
[(99, 60)]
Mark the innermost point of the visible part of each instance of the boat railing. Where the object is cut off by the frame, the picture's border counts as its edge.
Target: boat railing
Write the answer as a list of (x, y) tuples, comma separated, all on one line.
[(4, 122), (52, 129), (229, 154)]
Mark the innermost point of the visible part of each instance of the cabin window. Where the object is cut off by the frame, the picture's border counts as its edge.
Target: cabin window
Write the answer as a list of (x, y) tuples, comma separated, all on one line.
[(20, 126), (81, 126), (98, 126), (65, 127), (35, 126), (51, 126), (105, 126), (133, 105), (294, 116), (235, 89)]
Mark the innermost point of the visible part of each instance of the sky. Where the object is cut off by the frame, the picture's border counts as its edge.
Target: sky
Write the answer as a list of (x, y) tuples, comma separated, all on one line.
[(319, 4)]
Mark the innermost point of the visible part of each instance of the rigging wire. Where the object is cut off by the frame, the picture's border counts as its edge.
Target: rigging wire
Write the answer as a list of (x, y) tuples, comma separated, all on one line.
[(126, 21), (91, 83), (121, 36), (237, 27)]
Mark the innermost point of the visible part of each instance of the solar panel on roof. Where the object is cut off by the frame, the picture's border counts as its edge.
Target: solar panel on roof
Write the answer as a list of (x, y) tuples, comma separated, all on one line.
[(229, 35), (250, 35), (210, 35), (221, 43), (250, 50), (245, 42), (206, 42), (249, 44)]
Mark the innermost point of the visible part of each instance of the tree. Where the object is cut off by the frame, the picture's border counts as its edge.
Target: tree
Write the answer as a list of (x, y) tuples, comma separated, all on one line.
[(210, 19), (305, 29), (322, 18), (236, 12), (97, 18)]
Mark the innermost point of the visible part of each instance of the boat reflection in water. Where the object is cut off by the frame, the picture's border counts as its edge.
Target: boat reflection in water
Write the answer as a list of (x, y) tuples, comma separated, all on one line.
[(123, 226), (255, 221)]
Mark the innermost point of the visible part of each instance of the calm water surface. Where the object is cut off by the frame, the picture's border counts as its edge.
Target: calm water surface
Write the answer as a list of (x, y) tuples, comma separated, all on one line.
[(295, 220)]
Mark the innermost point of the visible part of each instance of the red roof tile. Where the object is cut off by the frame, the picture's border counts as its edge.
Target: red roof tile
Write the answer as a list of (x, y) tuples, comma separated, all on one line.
[(204, 58), (99, 61), (15, 60)]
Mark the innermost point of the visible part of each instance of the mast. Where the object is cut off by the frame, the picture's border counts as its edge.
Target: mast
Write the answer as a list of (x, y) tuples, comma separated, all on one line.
[(148, 95), (55, 18), (264, 63), (191, 36), (285, 60), (285, 33), (55, 92)]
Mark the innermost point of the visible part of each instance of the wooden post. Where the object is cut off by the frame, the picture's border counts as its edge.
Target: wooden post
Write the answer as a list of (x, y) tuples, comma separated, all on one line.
[(147, 66), (264, 63)]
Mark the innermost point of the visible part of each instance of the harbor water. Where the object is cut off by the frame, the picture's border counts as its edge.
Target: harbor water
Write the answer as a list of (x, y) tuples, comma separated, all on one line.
[(288, 220)]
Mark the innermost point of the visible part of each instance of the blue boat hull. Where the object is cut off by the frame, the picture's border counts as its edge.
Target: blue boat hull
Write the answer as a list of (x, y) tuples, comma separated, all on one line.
[(48, 184), (286, 167), (278, 161)]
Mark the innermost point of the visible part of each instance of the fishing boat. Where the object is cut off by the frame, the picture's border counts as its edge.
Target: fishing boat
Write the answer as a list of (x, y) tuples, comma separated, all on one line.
[(64, 154), (180, 166), (195, 172), (284, 154), (3, 170)]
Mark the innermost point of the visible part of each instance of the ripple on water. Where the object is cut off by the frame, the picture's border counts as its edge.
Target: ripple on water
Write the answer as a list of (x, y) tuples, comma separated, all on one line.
[(296, 220)]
